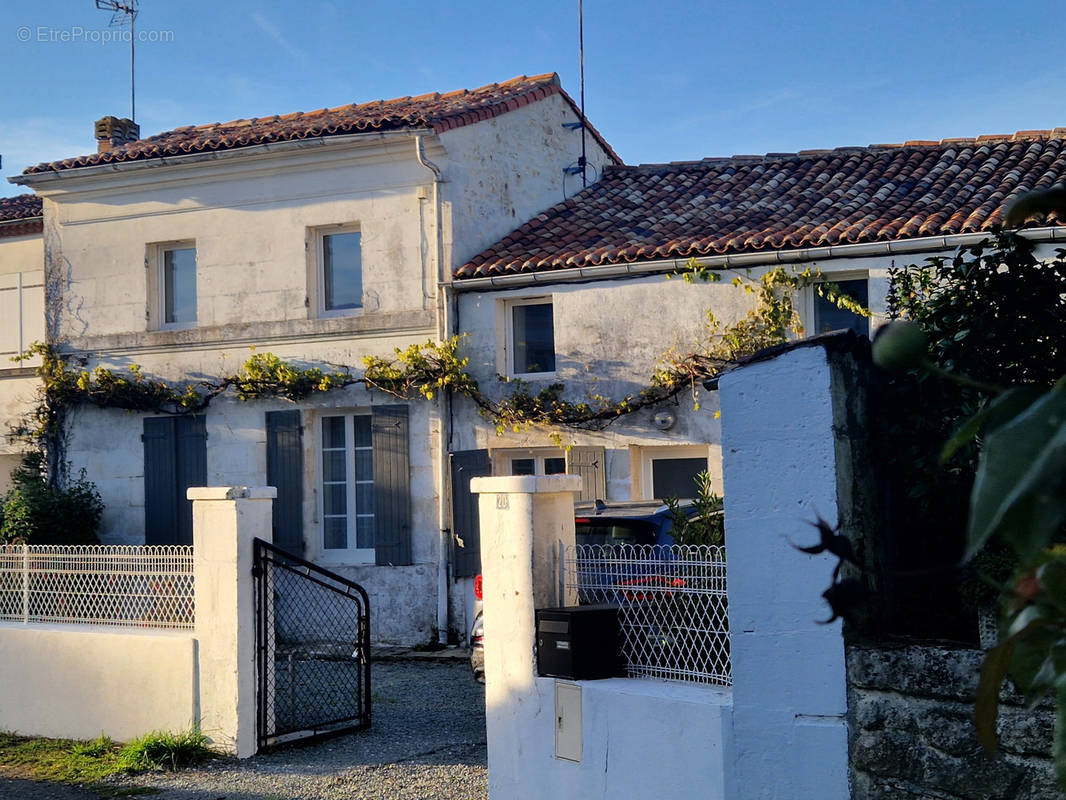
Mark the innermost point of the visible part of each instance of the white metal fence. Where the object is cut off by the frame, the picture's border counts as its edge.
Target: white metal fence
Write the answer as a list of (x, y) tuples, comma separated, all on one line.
[(672, 606), (148, 587)]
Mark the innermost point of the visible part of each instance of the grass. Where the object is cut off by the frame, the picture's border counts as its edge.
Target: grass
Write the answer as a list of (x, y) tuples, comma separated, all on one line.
[(90, 762)]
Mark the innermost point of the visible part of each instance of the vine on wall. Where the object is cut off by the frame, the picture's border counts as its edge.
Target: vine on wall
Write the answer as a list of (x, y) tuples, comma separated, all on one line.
[(425, 370)]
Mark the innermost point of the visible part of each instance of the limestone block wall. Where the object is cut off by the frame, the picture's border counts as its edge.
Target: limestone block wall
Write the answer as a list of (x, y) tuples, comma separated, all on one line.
[(910, 714)]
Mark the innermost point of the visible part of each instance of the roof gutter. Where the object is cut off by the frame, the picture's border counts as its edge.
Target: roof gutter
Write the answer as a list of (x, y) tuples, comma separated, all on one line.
[(155, 162), (21, 220), (743, 260)]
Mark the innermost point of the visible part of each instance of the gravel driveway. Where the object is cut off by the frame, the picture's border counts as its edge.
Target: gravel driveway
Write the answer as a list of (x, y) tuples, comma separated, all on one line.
[(427, 742)]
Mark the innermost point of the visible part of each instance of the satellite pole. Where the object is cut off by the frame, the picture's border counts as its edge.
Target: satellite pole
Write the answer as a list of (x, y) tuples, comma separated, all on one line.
[(581, 56), (121, 11)]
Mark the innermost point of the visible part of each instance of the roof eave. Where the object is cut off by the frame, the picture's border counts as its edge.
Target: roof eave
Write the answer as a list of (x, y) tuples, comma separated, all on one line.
[(36, 179), (743, 260)]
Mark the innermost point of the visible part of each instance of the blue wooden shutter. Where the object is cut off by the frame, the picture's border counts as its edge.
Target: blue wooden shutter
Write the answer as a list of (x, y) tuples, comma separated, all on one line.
[(466, 530), (160, 500), (392, 486), (190, 458), (285, 472), (175, 458)]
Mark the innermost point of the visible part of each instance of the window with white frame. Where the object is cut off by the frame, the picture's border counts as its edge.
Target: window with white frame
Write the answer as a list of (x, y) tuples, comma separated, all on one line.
[(347, 485), (530, 337), (339, 270), (174, 282), (671, 471), (537, 461), (828, 316)]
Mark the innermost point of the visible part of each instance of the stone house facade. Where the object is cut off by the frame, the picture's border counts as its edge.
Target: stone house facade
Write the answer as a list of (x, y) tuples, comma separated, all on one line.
[(320, 237), (587, 286)]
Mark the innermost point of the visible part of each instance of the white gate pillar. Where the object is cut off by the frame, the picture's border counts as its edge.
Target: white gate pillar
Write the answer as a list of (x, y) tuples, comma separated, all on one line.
[(780, 465), (226, 520), (525, 521)]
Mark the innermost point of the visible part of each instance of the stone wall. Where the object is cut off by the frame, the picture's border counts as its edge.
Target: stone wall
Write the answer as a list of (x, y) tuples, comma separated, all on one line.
[(912, 736)]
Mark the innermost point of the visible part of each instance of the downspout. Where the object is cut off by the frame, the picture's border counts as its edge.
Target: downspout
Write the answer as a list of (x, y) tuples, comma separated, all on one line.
[(444, 404)]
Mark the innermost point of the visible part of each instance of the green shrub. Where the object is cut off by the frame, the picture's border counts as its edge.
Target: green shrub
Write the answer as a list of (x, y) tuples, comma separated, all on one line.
[(36, 512), (706, 526), (165, 750)]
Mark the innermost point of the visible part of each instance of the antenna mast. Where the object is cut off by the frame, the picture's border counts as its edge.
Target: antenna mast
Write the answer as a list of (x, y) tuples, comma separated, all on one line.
[(121, 11), (581, 57)]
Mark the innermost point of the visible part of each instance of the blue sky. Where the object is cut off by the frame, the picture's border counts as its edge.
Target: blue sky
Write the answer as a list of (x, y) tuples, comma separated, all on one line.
[(666, 81)]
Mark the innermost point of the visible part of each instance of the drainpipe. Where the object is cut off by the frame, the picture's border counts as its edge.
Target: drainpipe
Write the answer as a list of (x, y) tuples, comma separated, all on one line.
[(444, 403)]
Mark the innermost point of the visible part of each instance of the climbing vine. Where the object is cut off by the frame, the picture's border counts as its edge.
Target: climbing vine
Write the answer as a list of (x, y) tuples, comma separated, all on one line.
[(425, 370)]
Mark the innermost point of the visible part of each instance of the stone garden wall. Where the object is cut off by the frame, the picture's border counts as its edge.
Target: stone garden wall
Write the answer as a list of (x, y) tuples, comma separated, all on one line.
[(912, 734)]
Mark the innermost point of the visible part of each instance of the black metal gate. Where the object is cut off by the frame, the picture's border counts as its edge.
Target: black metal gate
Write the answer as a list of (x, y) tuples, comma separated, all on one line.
[(312, 636)]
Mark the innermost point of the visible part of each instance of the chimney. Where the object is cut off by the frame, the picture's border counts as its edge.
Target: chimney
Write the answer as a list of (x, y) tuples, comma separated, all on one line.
[(112, 132)]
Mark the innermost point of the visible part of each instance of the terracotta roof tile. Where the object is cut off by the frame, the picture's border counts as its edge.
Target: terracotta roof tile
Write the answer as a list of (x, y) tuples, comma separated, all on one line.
[(440, 112), (20, 215), (782, 201)]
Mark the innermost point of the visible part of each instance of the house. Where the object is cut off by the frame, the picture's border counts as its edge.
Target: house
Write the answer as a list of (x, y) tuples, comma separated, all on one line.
[(584, 287), (320, 237), (21, 317)]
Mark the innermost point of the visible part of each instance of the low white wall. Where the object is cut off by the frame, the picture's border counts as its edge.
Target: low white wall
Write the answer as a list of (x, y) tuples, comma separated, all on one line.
[(71, 681), (641, 740)]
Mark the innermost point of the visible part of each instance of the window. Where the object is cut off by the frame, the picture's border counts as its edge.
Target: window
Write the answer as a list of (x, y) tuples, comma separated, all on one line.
[(669, 471), (531, 337), (340, 271), (177, 283), (531, 462), (347, 484), (829, 317), (21, 315)]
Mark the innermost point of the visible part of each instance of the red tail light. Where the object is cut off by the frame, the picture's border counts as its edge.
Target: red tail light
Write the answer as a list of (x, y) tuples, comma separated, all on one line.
[(477, 588)]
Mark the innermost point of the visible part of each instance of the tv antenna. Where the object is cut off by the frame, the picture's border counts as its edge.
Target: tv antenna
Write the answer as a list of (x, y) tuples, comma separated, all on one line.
[(581, 58), (123, 11)]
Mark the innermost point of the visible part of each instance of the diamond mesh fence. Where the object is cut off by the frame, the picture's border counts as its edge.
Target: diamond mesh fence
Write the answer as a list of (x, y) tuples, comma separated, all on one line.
[(672, 606), (145, 587)]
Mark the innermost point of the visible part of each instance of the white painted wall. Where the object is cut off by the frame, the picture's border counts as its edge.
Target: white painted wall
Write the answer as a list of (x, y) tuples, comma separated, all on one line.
[(609, 336), (80, 681), (639, 739), (789, 691), (501, 172), (253, 216)]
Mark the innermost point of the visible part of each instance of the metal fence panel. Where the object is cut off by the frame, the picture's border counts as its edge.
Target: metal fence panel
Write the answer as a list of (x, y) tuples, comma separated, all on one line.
[(130, 586), (672, 606)]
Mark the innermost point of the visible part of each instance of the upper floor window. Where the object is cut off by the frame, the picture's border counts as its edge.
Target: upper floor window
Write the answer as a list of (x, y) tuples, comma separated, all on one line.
[(175, 279), (21, 315), (531, 337), (828, 316), (340, 271)]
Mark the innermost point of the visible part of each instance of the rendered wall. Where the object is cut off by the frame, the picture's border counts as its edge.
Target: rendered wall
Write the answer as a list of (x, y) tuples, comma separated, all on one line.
[(609, 337), (789, 686), (81, 681)]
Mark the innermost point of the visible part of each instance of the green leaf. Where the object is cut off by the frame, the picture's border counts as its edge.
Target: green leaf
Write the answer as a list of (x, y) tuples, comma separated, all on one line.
[(1052, 579), (1000, 411), (993, 671), (1018, 474)]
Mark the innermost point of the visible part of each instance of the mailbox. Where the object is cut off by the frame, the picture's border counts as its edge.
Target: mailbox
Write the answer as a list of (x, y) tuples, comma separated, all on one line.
[(579, 642)]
